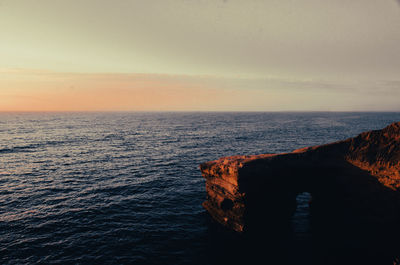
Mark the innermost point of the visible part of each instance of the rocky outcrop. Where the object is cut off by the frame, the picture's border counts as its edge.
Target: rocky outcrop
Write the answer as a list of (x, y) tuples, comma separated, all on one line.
[(353, 183)]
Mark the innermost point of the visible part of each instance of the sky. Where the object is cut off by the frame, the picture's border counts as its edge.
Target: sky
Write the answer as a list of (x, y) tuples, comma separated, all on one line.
[(272, 55)]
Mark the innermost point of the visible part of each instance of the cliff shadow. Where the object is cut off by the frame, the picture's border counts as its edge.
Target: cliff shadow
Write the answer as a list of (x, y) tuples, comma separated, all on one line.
[(353, 218)]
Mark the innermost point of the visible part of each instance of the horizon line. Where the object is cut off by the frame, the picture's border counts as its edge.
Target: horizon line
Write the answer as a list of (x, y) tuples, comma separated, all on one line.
[(199, 111)]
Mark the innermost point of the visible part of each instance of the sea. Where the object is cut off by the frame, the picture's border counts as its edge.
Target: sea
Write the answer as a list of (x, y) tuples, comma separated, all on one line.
[(125, 187)]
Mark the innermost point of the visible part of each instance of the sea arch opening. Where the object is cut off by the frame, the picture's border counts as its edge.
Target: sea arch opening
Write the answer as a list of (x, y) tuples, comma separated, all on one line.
[(301, 218)]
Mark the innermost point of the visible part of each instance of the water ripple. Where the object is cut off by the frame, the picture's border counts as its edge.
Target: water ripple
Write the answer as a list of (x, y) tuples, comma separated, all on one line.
[(125, 188)]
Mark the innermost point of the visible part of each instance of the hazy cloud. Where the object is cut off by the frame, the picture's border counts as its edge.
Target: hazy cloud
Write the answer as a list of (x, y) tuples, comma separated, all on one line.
[(47, 90), (263, 55)]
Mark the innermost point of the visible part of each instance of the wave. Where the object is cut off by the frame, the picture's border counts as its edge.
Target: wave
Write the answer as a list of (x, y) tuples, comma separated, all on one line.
[(32, 147), (18, 149)]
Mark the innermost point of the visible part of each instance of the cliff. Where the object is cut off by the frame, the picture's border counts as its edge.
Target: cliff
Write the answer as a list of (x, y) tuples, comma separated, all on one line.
[(353, 183)]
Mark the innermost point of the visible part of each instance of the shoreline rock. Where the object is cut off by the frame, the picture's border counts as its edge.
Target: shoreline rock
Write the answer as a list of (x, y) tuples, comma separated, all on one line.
[(354, 183)]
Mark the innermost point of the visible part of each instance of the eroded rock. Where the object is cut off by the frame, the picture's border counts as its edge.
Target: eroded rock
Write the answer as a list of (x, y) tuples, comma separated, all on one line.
[(353, 183)]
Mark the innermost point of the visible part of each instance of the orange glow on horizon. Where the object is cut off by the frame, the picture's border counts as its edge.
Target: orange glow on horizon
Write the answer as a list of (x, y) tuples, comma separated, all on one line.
[(23, 90), (41, 90)]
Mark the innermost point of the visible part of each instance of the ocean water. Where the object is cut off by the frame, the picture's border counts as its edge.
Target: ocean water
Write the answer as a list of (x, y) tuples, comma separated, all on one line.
[(125, 188)]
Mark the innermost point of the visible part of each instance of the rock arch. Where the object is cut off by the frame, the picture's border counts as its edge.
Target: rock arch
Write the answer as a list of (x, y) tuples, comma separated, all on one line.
[(353, 183)]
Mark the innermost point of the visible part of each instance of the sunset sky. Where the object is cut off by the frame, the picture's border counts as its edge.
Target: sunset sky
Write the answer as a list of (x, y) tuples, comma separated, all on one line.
[(272, 55)]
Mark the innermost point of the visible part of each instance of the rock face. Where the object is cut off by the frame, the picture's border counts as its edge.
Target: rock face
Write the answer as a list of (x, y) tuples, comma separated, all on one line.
[(353, 183)]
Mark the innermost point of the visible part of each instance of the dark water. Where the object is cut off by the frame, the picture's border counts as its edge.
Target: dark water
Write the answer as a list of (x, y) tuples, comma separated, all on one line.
[(125, 188)]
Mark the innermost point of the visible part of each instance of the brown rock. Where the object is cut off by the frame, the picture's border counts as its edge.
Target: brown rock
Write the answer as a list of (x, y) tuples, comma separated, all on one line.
[(355, 182)]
